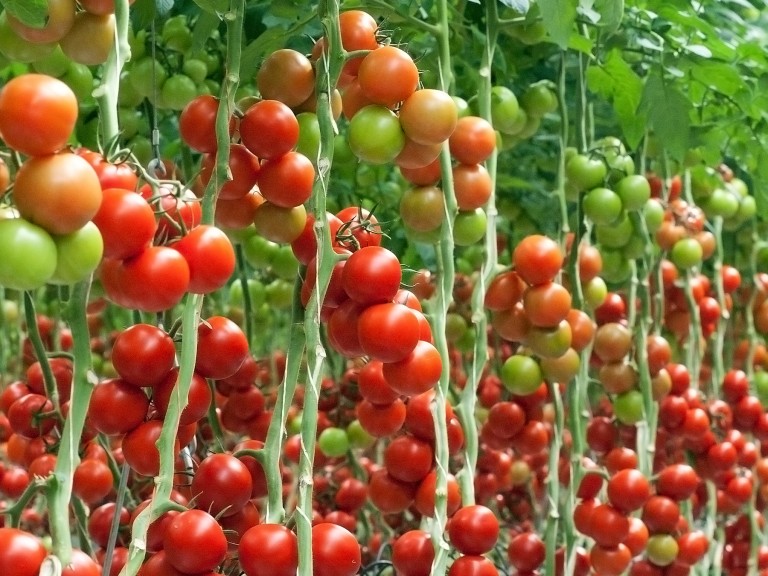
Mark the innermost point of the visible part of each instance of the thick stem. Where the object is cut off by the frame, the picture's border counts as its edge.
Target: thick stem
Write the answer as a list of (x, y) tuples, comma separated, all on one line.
[(466, 408), (446, 273), (327, 72)]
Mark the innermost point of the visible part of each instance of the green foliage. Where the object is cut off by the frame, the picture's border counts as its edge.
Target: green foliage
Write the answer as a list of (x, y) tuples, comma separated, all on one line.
[(30, 12)]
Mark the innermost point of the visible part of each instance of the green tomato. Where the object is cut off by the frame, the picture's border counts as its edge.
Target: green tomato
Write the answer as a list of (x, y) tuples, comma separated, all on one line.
[(178, 91), (584, 172), (628, 407), (469, 226), (342, 153), (761, 386), (141, 148), (80, 78), (259, 252), (78, 254), (284, 263), (455, 326), (128, 96), (686, 253), (602, 205), (10, 311), (530, 127), (333, 442), (419, 237), (615, 235), (145, 74), (195, 69), (129, 120), (462, 106), (138, 43), (721, 202), (358, 437), (176, 34), (616, 268), (375, 135), (280, 294), (504, 109), (27, 255), (538, 100), (634, 249), (653, 212), (309, 136), (595, 292), (16, 49), (661, 549), (294, 424), (634, 191), (521, 375), (54, 64), (256, 292)]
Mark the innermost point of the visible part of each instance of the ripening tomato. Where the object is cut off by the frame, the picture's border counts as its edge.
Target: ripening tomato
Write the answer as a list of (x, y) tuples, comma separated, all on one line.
[(60, 16), (37, 114), (286, 75), (473, 140), (59, 192), (428, 116), (537, 259), (388, 75), (90, 39)]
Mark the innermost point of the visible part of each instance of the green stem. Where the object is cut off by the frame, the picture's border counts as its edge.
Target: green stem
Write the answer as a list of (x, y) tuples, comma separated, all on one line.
[(59, 490), (466, 408), (115, 526), (446, 274), (49, 382), (327, 72)]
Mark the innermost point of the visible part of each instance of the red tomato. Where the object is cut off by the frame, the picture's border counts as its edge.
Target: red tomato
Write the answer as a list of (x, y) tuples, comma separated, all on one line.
[(335, 551), (194, 542), (269, 550), (126, 222), (21, 553), (143, 355), (388, 332), (269, 129), (287, 180), (473, 529), (221, 348), (210, 256), (372, 275)]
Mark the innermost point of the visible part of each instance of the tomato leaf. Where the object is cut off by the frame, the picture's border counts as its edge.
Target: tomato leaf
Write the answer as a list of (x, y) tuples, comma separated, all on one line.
[(668, 112), (616, 81), (205, 25), (520, 6), (30, 12), (611, 13), (720, 77), (212, 6), (558, 17), (163, 6)]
